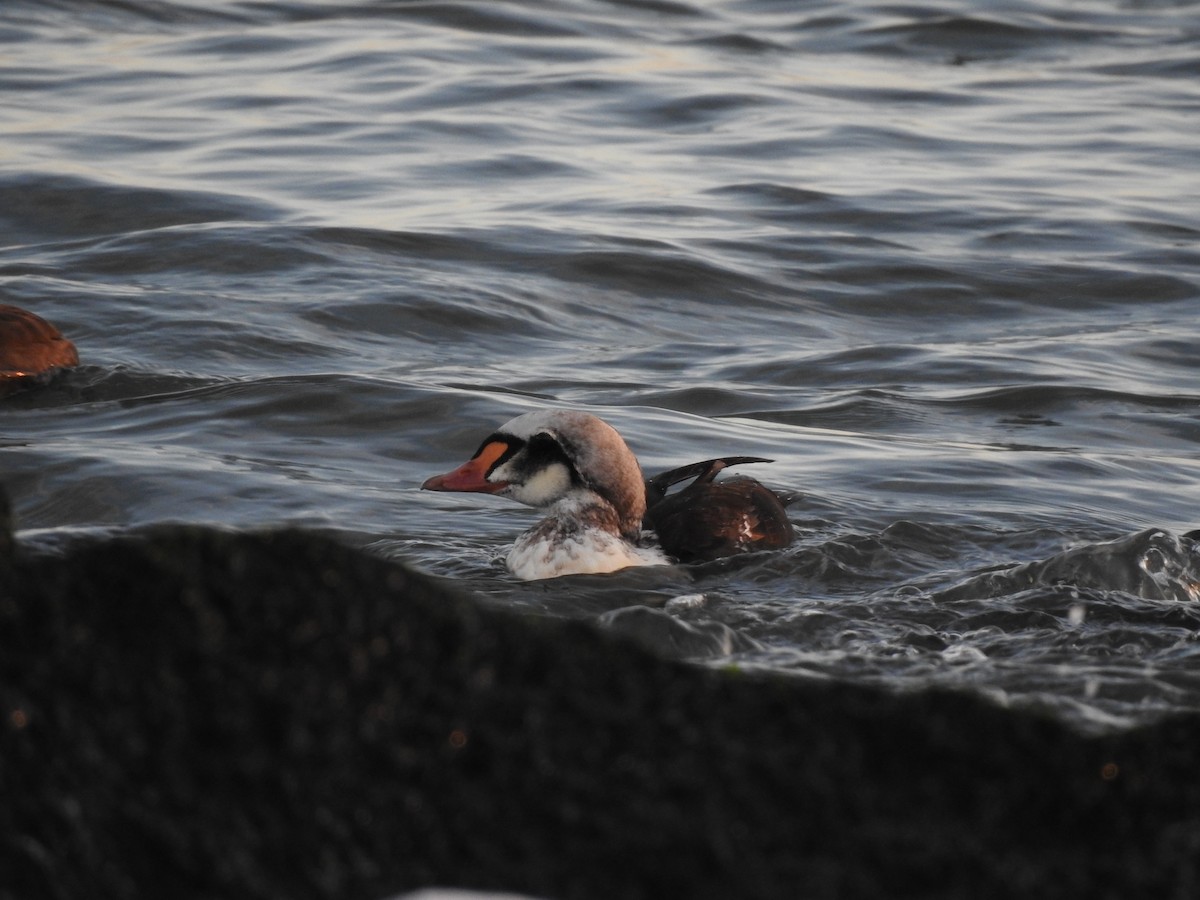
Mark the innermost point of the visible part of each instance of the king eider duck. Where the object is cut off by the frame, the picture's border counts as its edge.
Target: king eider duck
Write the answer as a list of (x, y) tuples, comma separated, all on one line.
[(579, 469), (31, 349)]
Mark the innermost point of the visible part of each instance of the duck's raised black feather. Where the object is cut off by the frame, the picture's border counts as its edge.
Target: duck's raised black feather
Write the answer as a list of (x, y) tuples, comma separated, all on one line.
[(706, 471), (711, 519)]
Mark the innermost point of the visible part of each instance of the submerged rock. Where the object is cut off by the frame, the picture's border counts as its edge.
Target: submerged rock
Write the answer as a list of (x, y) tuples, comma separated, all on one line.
[(196, 713), (1152, 564)]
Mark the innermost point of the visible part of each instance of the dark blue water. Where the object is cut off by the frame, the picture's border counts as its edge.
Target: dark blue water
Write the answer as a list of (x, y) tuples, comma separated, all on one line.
[(940, 261)]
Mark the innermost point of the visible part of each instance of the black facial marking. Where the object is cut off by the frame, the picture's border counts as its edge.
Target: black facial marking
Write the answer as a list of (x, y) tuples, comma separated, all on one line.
[(543, 450)]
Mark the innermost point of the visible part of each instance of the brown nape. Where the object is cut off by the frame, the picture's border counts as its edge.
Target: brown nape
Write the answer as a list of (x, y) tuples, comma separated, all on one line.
[(711, 519), (30, 346)]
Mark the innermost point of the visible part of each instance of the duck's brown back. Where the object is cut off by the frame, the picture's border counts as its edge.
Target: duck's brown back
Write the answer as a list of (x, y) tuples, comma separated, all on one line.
[(712, 519), (31, 346)]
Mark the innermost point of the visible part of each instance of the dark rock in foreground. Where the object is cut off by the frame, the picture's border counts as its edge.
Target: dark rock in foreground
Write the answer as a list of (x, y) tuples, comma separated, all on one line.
[(189, 713)]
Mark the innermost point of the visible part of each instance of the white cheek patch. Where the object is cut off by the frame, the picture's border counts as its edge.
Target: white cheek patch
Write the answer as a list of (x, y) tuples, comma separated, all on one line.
[(541, 489)]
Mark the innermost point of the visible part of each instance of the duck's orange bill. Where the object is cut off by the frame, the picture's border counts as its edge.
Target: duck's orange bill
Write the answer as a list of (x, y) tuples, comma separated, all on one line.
[(472, 475)]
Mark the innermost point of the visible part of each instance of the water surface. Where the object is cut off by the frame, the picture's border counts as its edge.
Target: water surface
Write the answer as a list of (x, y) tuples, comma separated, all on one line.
[(938, 260)]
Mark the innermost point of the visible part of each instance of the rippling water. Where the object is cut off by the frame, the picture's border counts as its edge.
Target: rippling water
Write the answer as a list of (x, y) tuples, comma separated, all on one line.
[(939, 260)]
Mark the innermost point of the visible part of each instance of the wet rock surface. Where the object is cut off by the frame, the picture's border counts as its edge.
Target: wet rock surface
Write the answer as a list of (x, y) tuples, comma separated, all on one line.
[(198, 713)]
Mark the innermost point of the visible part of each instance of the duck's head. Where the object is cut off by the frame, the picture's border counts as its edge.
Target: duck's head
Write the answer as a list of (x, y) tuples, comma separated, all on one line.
[(543, 457)]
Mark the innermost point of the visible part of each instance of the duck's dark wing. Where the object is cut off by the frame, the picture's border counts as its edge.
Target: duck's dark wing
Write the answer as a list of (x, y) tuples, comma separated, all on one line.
[(711, 519), (657, 487)]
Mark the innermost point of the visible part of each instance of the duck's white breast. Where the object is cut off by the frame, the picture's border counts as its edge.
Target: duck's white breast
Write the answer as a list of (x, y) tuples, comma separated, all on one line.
[(589, 551)]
